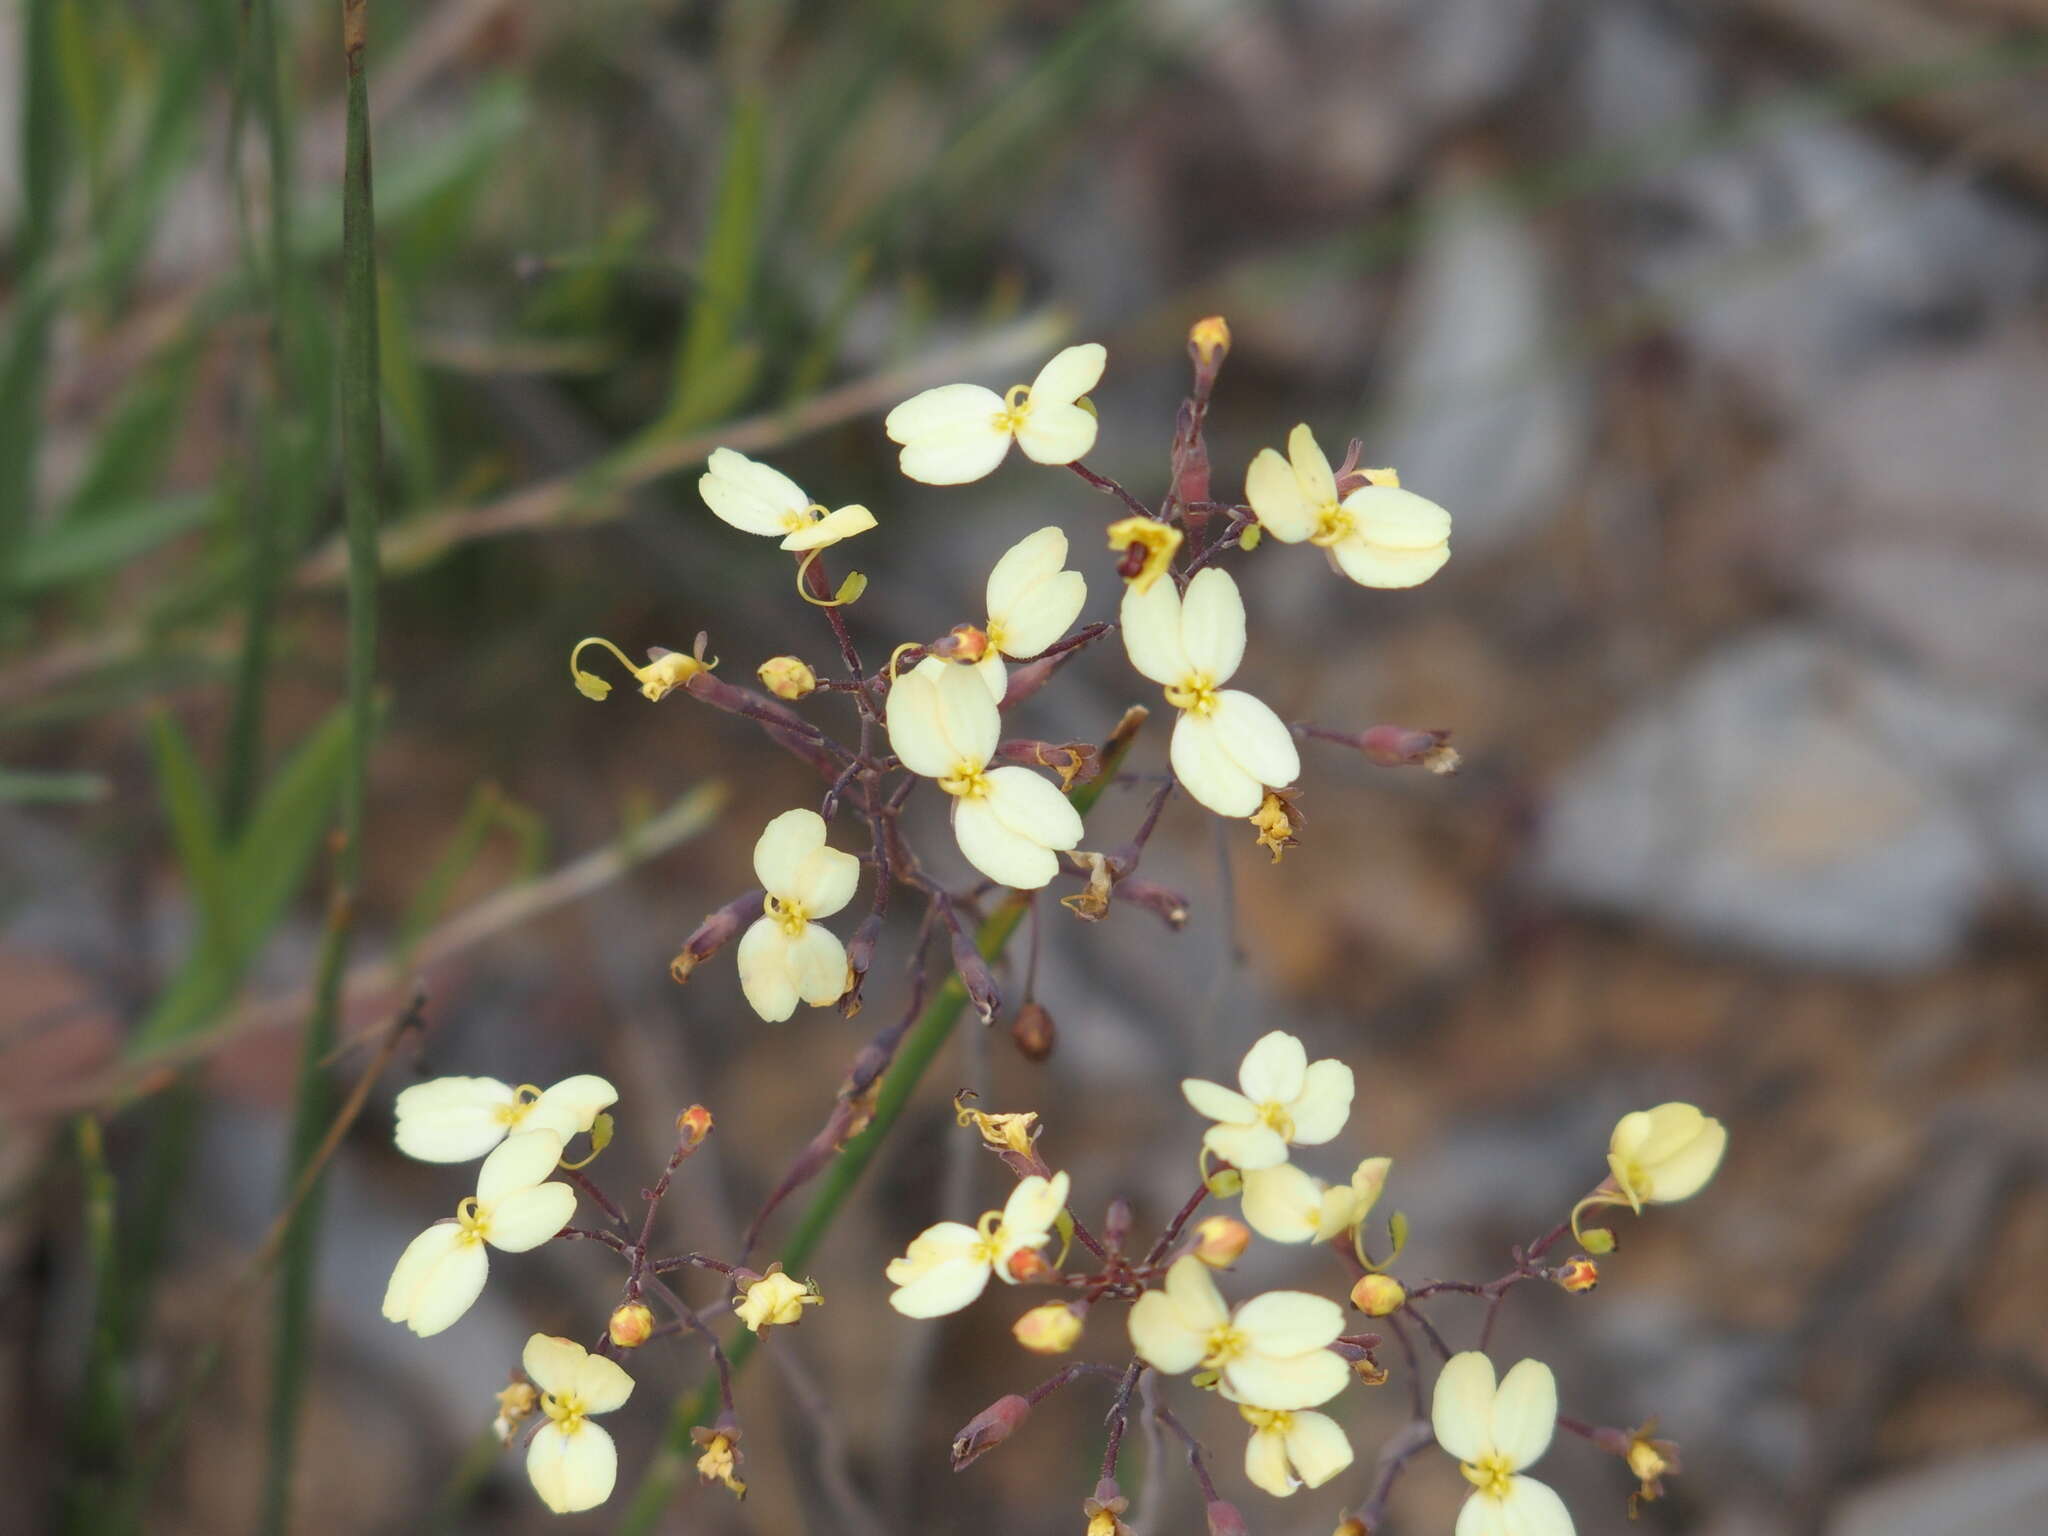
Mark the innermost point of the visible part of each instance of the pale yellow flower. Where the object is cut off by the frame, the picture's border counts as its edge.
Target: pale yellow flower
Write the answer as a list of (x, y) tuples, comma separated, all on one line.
[(947, 1266), (453, 1119), (1010, 823), (1379, 535), (756, 499), (1272, 1352), (1290, 1450), (775, 1301), (787, 954), (442, 1271), (1228, 747), (1663, 1155), (572, 1462), (960, 432), (1287, 1100), (1286, 1205), (1032, 601), (1495, 1432)]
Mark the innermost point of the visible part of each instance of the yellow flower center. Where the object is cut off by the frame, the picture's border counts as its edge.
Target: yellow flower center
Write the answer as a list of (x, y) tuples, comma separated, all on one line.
[(1016, 406), (996, 635), (790, 916), (524, 1097), (1263, 1419), (967, 780), (1274, 1114), (474, 1220), (1632, 1177), (991, 1245), (567, 1411), (1196, 693), (796, 521), (1224, 1344), (1490, 1475), (1333, 525)]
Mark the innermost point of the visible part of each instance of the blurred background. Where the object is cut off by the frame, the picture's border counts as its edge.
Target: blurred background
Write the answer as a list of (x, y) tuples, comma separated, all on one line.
[(1720, 329)]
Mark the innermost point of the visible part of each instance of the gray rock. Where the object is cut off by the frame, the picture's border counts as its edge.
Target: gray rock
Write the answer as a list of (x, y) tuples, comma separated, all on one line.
[(2000, 1493)]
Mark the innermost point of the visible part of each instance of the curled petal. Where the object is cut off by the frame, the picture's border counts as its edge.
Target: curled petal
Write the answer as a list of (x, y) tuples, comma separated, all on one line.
[(993, 674), (1686, 1172), (751, 497), (1265, 1462), (1391, 518), (1034, 1205), (1275, 495), (1318, 1448), (831, 528), (1311, 467), (572, 1106), (1371, 565)]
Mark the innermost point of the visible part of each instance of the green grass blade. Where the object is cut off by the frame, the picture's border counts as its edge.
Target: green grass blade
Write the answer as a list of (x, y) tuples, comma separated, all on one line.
[(79, 551), (101, 1423), (28, 786), (488, 809), (713, 370)]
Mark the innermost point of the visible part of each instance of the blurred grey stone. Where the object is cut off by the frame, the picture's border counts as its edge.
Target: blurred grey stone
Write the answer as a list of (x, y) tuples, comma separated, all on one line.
[(1792, 798), (1480, 415), (2000, 1493)]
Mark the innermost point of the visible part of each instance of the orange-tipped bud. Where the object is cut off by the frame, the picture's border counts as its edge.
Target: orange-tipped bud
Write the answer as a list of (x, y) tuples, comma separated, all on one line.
[(1578, 1274), (1379, 1295), (694, 1123), (631, 1326), (787, 677), (1221, 1241), (1052, 1329), (1209, 341)]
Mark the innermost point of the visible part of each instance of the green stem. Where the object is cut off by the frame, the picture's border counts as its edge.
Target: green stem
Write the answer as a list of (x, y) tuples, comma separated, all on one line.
[(360, 455), (933, 1028)]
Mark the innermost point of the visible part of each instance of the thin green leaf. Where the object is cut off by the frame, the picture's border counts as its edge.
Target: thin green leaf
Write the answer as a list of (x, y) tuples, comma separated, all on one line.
[(710, 379), (27, 786), (77, 551)]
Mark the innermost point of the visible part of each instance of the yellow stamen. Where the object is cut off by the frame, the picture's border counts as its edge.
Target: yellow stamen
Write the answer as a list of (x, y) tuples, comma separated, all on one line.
[(1016, 407), (849, 589), (1195, 693)]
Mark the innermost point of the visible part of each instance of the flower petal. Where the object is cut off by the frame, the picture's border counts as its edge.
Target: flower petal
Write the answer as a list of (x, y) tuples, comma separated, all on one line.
[(1665, 1129), (526, 1158), (1034, 1205), (1483, 1515), (1287, 1382), (949, 434), (967, 715), (767, 976), (1289, 1322), (783, 846), (1212, 624), (1275, 495), (1023, 566), (1207, 771), (943, 1288), (572, 1471), (826, 881), (1246, 1147), (1686, 1172), (1265, 1463), (1070, 373), (446, 1289), (551, 1362), (751, 497), (1044, 613), (916, 732), (602, 1384), (1388, 569), (1192, 1291), (994, 674), (421, 1257), (1534, 1509), (1283, 1204), (817, 962), (452, 1119), (1462, 1409), (1033, 807), (1053, 432), (525, 1220), (831, 528), (1524, 1413), (1256, 739), (1006, 857), (1275, 1069), (1150, 621), (572, 1106), (1323, 1105), (1318, 1448), (1218, 1102), (1391, 518), (1311, 467), (1161, 1337)]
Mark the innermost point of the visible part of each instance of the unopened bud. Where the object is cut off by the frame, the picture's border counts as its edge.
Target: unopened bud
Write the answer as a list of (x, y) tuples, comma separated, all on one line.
[(787, 677), (962, 643), (716, 931), (1400, 746), (1170, 907), (1224, 1519), (1190, 462), (1578, 1274), (631, 1326), (1033, 1032), (976, 976), (1027, 1266), (1116, 1224), (989, 1429), (1379, 1295), (1052, 1329), (1351, 1525), (1209, 341), (694, 1124), (1221, 1241)]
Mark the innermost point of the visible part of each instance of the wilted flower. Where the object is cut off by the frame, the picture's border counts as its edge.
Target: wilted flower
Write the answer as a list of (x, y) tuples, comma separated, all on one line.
[(1148, 547), (775, 1301)]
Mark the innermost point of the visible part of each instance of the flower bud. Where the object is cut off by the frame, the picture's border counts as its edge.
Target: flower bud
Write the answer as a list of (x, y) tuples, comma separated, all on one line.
[(989, 1429), (962, 643), (1052, 1329), (1209, 342), (1033, 1032), (976, 976), (1379, 1295), (717, 930), (1578, 1274), (1352, 1525), (631, 1326), (1221, 1241), (1027, 1266), (1224, 1519), (1399, 746), (694, 1124), (787, 677)]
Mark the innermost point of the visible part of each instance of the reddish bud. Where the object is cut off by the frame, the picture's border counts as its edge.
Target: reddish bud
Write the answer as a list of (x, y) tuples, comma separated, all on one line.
[(1224, 1519), (1400, 746), (989, 1429), (694, 1124), (717, 930), (1033, 1032)]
